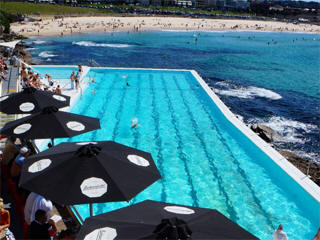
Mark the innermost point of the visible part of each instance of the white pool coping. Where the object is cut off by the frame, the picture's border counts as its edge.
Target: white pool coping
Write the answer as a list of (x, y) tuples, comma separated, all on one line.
[(303, 180)]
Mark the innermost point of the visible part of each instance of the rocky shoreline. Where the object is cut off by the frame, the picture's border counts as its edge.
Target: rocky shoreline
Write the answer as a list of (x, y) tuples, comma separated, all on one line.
[(304, 165)]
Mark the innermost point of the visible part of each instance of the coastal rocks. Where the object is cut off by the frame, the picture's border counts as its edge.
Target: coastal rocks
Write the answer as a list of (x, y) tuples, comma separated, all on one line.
[(303, 165), (266, 133)]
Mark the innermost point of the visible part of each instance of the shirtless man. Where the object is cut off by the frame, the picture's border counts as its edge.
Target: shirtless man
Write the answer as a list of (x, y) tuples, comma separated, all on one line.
[(24, 76)]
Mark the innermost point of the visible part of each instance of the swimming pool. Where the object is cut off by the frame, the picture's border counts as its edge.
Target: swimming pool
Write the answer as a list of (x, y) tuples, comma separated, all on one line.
[(203, 158)]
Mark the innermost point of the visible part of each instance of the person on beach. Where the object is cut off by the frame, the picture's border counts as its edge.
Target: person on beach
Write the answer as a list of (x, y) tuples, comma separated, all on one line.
[(279, 234), (72, 79)]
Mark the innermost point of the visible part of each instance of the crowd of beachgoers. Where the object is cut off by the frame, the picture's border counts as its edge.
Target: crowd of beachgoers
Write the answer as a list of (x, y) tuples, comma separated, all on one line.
[(69, 25), (31, 79)]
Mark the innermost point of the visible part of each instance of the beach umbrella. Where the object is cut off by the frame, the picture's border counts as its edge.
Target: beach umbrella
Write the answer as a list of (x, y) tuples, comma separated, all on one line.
[(31, 100), (159, 220), (50, 123), (81, 173)]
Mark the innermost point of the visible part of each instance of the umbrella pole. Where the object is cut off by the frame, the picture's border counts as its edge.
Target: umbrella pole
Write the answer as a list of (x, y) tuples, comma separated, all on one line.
[(52, 141), (91, 209)]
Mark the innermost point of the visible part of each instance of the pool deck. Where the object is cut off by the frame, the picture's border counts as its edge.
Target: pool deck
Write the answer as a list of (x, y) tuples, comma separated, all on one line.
[(302, 179)]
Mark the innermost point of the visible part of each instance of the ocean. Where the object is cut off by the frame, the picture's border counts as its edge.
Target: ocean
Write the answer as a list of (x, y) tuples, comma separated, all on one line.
[(268, 78)]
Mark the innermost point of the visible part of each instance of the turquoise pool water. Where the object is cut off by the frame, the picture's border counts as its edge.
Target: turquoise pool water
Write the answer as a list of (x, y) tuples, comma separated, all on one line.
[(204, 160)]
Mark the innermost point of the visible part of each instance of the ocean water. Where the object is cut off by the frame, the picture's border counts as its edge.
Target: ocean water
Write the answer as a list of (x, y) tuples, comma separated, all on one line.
[(269, 78), (203, 159)]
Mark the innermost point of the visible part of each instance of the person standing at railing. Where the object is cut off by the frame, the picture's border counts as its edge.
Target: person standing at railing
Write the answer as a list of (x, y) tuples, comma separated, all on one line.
[(77, 79), (72, 79)]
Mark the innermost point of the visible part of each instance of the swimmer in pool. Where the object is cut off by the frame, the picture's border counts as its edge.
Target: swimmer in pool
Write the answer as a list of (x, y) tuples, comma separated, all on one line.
[(134, 123)]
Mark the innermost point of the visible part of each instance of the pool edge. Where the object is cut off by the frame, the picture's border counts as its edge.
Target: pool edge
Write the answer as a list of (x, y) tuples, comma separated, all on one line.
[(307, 184)]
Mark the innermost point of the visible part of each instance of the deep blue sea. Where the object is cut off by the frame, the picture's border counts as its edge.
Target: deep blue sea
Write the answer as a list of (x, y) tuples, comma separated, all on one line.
[(269, 78)]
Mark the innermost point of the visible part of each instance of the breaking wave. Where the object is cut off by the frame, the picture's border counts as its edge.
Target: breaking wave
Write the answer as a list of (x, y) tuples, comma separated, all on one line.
[(38, 42), (290, 130), (246, 92), (93, 44), (46, 54)]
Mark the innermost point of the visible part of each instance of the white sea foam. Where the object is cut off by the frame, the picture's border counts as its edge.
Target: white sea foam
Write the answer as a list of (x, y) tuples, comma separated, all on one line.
[(29, 49), (248, 92), (38, 42), (286, 128), (46, 54), (93, 44), (239, 117)]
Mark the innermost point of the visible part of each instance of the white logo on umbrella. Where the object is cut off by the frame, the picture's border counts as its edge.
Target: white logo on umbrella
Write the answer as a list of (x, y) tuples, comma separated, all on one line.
[(40, 165), (26, 107), (75, 126), (93, 187), (3, 98), (60, 98), (22, 128), (85, 143), (140, 161), (179, 210), (105, 233)]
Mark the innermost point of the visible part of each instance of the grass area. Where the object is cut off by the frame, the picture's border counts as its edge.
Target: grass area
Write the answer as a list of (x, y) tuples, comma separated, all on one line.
[(49, 9), (46, 9), (180, 9)]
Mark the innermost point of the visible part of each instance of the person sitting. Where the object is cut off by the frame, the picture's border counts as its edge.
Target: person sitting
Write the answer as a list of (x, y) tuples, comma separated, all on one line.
[(35, 202), (16, 166), (40, 227), (5, 233), (279, 234), (58, 89)]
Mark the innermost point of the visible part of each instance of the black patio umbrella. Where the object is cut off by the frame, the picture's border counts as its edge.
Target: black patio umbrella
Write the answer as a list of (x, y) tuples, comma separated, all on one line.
[(31, 100), (50, 123), (81, 173), (159, 220)]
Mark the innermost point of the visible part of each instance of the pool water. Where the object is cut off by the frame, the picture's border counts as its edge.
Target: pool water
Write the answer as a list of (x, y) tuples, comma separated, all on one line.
[(203, 159)]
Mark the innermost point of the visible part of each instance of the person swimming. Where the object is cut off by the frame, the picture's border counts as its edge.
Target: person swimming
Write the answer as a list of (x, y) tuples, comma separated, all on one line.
[(134, 123)]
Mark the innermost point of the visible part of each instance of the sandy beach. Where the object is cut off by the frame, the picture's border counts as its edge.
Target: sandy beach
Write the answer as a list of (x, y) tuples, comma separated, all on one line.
[(69, 25)]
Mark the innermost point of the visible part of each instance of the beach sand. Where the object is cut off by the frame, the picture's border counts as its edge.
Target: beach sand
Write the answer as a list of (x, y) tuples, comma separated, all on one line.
[(69, 25)]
